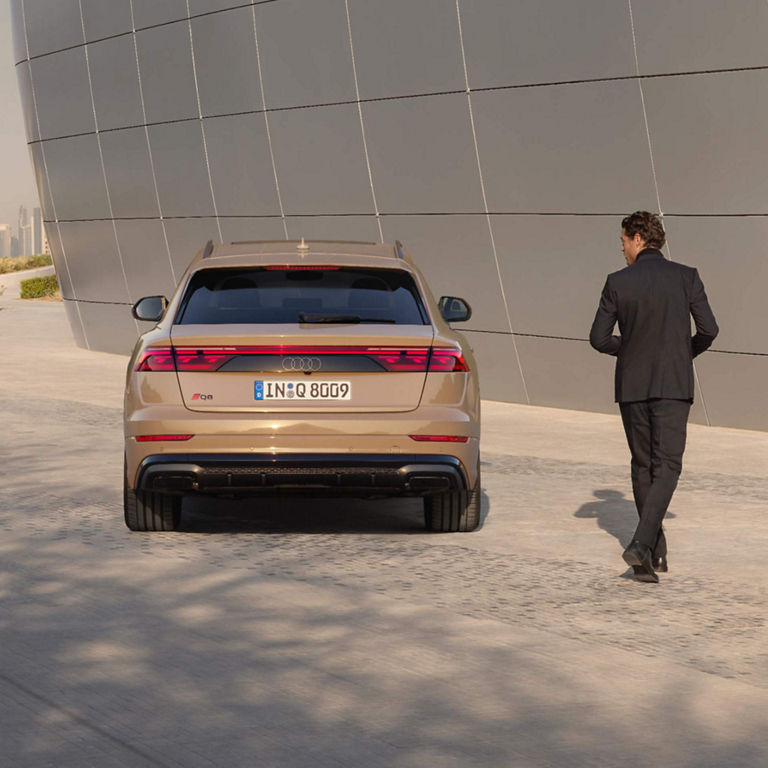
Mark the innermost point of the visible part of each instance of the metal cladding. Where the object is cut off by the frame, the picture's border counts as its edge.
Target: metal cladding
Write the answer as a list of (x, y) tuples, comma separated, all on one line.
[(501, 142)]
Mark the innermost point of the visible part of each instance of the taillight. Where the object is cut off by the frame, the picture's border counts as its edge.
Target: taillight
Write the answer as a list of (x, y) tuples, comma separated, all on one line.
[(159, 438), (439, 438), (396, 359), (447, 359), (201, 359), (156, 359), (402, 359)]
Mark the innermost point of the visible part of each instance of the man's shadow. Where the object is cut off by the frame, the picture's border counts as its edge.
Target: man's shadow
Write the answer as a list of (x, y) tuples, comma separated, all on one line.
[(614, 513)]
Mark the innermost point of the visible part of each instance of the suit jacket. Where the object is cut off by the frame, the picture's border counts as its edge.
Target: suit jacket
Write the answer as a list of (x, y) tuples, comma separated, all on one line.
[(653, 301)]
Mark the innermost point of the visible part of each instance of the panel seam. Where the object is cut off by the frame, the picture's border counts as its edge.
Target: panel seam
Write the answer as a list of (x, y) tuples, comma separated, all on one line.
[(103, 166), (362, 122), (573, 214), (48, 180), (142, 29), (645, 113), (266, 122), (149, 147), (485, 202), (202, 123), (656, 183)]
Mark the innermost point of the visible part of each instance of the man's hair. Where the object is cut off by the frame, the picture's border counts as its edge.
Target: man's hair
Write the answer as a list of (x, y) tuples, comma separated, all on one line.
[(647, 225)]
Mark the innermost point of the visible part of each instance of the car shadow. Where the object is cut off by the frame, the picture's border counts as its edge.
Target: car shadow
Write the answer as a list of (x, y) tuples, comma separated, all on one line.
[(288, 514)]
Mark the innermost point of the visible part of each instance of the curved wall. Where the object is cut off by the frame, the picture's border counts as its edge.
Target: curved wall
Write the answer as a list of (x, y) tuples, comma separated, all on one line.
[(500, 141)]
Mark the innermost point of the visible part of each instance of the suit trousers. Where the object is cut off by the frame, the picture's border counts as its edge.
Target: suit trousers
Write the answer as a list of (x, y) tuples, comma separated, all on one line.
[(656, 431)]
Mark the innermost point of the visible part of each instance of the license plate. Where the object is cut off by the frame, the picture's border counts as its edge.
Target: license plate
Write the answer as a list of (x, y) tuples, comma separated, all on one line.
[(302, 390)]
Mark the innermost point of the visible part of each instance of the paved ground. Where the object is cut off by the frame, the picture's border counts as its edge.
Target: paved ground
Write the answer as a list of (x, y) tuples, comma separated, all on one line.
[(341, 634)]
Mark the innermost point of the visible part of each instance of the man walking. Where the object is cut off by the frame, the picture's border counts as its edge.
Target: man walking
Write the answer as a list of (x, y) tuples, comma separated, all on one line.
[(653, 300)]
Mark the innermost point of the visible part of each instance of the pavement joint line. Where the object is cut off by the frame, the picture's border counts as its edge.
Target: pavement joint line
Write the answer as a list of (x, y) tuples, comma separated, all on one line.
[(81, 720)]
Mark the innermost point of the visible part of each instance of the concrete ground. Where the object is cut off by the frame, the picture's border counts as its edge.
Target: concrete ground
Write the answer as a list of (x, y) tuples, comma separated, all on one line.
[(339, 633)]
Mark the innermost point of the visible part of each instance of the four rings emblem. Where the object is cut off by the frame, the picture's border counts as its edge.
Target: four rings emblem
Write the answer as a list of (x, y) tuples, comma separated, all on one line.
[(302, 364)]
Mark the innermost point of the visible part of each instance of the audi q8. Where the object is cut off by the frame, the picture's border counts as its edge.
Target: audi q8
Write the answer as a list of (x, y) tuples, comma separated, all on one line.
[(317, 368)]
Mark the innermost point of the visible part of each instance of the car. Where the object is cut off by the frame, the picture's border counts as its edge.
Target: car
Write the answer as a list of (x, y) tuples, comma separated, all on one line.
[(304, 368)]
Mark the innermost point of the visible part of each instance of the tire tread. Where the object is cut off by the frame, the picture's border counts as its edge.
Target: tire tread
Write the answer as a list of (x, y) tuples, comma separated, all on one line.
[(147, 511), (454, 511)]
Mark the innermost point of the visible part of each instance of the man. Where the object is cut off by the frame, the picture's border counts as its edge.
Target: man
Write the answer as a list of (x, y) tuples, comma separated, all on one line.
[(653, 300)]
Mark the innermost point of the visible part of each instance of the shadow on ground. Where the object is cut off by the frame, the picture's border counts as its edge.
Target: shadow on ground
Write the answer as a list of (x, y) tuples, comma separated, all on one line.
[(122, 650), (285, 514), (615, 514)]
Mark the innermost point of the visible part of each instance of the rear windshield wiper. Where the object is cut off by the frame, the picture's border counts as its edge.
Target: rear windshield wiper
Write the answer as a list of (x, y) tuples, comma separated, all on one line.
[(310, 318)]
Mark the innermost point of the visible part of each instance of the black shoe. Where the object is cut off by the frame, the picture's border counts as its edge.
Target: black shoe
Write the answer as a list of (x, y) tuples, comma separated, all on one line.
[(640, 558), (660, 564)]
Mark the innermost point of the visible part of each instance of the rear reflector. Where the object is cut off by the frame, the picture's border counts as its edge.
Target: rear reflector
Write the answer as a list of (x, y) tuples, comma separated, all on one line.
[(397, 359), (158, 438), (439, 438)]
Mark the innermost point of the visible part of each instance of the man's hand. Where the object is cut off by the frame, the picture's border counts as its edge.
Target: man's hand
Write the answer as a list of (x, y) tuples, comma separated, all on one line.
[(703, 317), (600, 336)]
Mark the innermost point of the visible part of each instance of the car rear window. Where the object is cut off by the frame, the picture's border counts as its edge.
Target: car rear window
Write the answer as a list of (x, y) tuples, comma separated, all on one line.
[(264, 295)]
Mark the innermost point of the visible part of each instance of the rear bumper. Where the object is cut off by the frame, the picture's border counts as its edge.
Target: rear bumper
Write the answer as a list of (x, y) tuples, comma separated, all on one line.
[(333, 474)]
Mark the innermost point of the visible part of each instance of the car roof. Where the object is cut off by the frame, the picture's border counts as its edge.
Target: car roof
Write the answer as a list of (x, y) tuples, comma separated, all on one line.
[(291, 252)]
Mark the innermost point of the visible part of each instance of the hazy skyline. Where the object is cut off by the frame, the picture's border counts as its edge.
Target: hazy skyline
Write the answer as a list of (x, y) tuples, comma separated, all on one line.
[(18, 182)]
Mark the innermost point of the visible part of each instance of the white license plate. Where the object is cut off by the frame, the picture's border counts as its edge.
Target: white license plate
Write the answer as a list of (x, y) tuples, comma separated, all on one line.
[(302, 389)]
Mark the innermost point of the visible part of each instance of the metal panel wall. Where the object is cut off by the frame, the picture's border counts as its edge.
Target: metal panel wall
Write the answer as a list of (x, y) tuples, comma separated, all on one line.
[(502, 142)]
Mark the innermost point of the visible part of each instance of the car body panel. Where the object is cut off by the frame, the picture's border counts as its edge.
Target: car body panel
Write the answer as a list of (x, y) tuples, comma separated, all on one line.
[(388, 406), (371, 391)]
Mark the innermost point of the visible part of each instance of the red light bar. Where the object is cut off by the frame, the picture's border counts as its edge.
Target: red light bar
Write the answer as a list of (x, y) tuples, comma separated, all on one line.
[(156, 359), (439, 438), (301, 266), (447, 359), (395, 359), (201, 359), (399, 359), (402, 359), (158, 438)]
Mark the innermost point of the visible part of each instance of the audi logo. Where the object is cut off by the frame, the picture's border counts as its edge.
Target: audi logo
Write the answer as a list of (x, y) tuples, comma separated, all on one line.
[(302, 364)]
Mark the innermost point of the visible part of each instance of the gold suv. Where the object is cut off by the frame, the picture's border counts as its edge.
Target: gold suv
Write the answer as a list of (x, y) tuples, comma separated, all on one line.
[(302, 368)]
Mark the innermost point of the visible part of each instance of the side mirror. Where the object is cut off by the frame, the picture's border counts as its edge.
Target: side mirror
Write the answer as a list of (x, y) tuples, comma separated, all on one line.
[(454, 309), (150, 308)]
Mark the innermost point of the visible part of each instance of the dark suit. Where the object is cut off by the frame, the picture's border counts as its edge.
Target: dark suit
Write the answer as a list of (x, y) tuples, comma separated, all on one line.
[(653, 301)]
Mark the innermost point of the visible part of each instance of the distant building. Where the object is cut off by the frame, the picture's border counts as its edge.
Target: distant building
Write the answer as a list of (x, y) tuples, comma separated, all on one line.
[(37, 231), (24, 232), (6, 240)]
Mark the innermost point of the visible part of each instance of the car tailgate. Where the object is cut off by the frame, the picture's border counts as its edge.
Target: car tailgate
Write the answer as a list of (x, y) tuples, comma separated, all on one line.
[(302, 368)]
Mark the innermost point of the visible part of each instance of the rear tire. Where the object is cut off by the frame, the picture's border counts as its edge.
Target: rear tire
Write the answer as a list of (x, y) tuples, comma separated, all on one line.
[(454, 511), (147, 511)]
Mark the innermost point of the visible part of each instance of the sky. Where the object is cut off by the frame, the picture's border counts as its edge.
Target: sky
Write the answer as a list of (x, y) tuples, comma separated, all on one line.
[(17, 182)]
